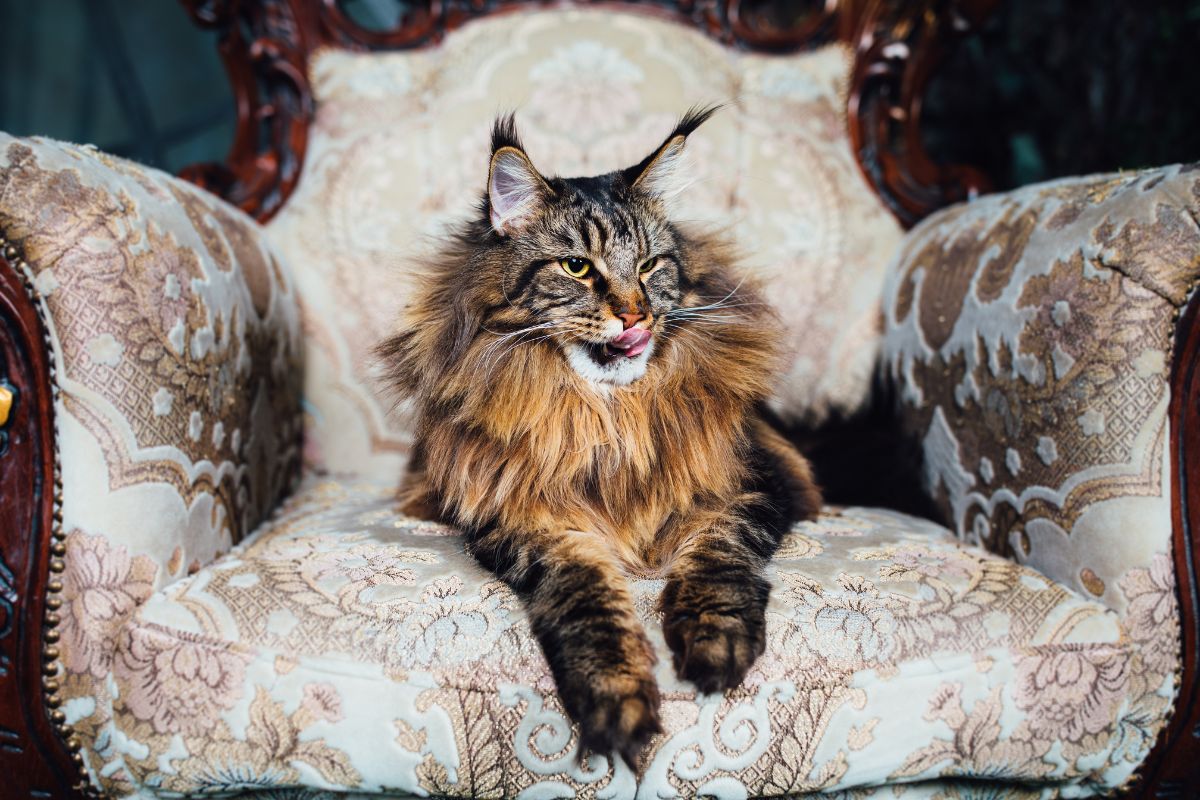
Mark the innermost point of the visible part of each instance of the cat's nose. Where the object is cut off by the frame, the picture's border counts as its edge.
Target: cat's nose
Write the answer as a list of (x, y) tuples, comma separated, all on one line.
[(631, 318)]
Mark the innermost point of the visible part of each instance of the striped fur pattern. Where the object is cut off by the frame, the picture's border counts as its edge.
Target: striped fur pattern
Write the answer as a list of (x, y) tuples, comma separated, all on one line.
[(589, 380)]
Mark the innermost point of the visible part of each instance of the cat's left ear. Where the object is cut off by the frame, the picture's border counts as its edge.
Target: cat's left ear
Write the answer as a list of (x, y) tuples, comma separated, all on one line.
[(658, 174)]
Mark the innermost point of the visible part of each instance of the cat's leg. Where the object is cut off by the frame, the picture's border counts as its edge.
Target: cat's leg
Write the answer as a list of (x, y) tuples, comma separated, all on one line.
[(417, 497), (582, 615), (714, 603)]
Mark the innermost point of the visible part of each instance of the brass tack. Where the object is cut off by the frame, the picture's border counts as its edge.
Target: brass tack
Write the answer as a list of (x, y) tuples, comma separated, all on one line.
[(51, 686), (73, 744), (54, 586), (51, 636), (83, 773), (53, 619), (77, 758), (50, 669), (50, 653), (58, 717), (58, 515), (56, 565), (58, 549), (54, 603), (65, 731), (53, 700), (10, 252)]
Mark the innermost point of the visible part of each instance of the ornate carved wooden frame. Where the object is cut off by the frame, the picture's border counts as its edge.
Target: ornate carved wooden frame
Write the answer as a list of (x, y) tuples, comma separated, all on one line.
[(266, 46)]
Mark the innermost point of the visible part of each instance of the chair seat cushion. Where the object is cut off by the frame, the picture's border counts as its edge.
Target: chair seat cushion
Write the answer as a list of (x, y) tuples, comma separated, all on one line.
[(345, 646)]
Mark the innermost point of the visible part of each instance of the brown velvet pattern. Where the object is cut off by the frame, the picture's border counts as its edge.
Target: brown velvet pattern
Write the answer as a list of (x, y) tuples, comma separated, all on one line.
[(1030, 334)]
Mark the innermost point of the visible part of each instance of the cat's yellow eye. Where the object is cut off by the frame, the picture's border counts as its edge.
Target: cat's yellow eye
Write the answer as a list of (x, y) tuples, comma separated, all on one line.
[(648, 266), (576, 267)]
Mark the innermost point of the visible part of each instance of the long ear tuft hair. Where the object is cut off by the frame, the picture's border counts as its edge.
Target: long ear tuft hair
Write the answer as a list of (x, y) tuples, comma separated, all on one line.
[(504, 133), (693, 118), (654, 172)]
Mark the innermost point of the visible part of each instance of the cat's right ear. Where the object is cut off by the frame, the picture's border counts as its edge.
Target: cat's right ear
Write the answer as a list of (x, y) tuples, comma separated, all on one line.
[(516, 190)]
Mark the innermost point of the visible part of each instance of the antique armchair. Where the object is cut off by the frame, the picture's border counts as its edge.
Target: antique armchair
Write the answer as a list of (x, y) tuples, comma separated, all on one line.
[(205, 586)]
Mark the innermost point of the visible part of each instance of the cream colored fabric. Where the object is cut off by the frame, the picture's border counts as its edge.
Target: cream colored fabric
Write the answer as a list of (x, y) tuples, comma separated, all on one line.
[(399, 149), (1031, 335), (348, 647), (927, 790), (175, 337)]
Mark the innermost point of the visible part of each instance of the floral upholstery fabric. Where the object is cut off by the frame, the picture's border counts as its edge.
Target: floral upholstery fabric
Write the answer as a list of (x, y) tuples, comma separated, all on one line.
[(175, 337), (1031, 336), (399, 147), (346, 647), (926, 790)]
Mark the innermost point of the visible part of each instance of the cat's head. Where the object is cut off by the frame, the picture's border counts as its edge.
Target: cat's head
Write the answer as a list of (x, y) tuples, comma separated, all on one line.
[(594, 262)]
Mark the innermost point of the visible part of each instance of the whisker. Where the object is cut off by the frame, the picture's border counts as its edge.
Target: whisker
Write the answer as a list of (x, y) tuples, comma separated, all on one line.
[(704, 316), (720, 305), (556, 328)]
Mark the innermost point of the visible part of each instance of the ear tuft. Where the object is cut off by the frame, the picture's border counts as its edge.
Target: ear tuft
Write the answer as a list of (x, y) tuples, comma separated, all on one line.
[(658, 173), (516, 191), (504, 133)]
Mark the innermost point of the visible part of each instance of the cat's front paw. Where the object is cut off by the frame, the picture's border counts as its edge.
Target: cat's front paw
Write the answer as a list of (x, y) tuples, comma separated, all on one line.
[(617, 713), (715, 650)]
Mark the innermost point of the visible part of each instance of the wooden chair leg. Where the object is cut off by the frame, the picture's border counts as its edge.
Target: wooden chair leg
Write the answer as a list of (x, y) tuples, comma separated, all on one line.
[(39, 755)]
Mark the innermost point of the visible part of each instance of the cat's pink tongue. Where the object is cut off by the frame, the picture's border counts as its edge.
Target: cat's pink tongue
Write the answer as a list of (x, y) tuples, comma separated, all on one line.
[(632, 342)]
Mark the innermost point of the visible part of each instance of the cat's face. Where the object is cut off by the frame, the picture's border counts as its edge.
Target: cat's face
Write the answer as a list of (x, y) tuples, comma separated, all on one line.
[(600, 268), (594, 262)]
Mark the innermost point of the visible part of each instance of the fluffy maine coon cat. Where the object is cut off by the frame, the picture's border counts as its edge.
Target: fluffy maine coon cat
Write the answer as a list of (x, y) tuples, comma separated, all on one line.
[(588, 378)]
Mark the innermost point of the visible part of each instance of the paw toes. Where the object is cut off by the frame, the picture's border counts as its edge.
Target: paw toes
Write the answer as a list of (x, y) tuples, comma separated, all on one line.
[(622, 720), (715, 653)]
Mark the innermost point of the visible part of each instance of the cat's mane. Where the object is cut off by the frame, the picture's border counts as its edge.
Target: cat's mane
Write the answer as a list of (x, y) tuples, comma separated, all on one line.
[(511, 434)]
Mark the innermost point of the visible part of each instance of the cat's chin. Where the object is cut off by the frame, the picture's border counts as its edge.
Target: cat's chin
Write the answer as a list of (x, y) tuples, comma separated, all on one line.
[(598, 365)]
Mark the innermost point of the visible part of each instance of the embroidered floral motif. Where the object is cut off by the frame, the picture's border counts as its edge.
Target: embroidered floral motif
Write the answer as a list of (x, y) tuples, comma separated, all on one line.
[(179, 682), (353, 618), (102, 588)]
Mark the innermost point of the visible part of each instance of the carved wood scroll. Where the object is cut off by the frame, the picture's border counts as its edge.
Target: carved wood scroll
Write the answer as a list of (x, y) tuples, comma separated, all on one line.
[(39, 755), (266, 46)]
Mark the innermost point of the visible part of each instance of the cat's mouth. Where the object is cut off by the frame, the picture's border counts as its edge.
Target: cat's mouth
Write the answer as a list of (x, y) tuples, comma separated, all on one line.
[(630, 344), (617, 362)]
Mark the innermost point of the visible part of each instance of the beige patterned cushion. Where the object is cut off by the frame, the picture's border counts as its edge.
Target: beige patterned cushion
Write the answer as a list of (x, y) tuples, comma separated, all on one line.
[(398, 148), (1031, 334), (347, 647), (925, 790), (176, 341)]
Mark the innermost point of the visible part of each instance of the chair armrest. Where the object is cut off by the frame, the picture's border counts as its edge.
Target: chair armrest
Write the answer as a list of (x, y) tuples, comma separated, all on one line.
[(151, 345), (1031, 338)]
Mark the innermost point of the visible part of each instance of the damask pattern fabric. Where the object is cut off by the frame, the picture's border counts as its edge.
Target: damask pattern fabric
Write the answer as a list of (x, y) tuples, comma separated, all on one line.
[(1031, 336), (346, 647), (175, 336), (398, 150), (926, 790)]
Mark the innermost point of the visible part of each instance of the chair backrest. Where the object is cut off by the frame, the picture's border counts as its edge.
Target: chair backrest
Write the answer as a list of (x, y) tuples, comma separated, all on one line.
[(356, 158)]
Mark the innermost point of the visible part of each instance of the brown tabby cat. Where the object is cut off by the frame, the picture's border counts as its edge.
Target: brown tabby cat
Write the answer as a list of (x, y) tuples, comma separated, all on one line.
[(588, 378)]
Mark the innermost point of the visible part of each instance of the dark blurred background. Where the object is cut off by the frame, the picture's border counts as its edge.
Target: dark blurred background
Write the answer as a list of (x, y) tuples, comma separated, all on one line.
[(1049, 88)]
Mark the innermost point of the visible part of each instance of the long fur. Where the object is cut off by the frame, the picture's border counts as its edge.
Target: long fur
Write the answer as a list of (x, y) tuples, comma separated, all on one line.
[(563, 485)]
